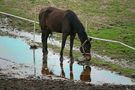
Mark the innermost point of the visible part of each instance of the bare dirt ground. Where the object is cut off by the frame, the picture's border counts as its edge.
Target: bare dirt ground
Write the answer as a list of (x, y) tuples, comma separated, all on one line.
[(47, 84)]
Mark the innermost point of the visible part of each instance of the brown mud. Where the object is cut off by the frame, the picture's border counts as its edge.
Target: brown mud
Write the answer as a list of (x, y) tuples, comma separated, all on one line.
[(47, 84)]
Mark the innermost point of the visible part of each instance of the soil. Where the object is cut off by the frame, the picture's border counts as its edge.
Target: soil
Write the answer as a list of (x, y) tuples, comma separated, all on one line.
[(47, 84)]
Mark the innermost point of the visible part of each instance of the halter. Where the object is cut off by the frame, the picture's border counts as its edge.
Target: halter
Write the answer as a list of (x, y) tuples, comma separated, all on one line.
[(84, 53)]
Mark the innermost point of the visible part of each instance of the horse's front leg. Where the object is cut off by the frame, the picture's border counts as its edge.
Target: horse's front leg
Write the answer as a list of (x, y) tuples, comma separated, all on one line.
[(64, 37), (44, 37), (72, 37)]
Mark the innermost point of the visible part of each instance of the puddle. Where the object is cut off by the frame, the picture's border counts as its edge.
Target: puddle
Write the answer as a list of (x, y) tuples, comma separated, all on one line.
[(53, 41), (29, 36), (17, 51)]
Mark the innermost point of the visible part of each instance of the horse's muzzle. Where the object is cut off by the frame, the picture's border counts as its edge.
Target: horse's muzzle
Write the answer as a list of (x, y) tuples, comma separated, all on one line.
[(87, 57)]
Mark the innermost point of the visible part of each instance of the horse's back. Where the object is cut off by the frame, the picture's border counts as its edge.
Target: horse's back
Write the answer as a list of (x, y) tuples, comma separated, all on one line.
[(53, 18)]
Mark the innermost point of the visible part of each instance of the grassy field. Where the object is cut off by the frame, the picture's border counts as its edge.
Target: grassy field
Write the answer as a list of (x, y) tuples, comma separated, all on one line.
[(109, 19)]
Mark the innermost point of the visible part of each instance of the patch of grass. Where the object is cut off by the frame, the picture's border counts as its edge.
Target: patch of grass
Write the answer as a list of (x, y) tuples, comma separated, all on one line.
[(114, 67), (113, 50), (106, 33)]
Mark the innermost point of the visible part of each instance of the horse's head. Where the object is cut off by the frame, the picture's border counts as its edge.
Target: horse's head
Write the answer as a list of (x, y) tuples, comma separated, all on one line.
[(85, 49)]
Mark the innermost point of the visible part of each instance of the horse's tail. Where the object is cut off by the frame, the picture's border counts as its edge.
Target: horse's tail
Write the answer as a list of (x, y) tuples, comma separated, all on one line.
[(41, 20)]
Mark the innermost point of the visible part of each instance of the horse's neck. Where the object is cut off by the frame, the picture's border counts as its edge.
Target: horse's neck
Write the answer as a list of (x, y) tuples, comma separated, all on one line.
[(82, 35), (77, 25)]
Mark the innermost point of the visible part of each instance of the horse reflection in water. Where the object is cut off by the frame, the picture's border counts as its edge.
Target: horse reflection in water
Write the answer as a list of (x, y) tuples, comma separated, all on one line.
[(70, 66), (46, 72), (86, 74)]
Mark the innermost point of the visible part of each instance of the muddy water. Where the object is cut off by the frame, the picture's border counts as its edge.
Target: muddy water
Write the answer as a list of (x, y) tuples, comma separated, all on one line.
[(18, 51)]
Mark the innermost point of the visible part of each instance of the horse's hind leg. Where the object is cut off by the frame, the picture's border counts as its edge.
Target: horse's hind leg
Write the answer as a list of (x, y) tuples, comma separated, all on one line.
[(64, 37), (44, 37), (45, 32)]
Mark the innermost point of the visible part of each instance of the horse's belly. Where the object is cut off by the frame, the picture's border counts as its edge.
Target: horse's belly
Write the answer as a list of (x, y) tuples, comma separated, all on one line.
[(55, 26)]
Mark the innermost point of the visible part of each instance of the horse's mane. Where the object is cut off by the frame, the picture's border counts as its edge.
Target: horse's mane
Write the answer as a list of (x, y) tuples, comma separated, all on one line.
[(77, 25)]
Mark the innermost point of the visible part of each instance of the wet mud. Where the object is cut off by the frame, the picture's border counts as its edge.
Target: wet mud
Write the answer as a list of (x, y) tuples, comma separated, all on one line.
[(47, 84)]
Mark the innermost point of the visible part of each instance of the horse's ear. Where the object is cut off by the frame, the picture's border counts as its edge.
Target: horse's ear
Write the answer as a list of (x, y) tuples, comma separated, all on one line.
[(90, 39)]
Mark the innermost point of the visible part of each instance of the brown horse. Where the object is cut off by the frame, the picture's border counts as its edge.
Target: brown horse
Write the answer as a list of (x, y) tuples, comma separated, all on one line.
[(66, 22)]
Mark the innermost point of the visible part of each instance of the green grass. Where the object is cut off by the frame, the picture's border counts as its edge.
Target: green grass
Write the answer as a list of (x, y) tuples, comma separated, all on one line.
[(114, 67), (115, 51)]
